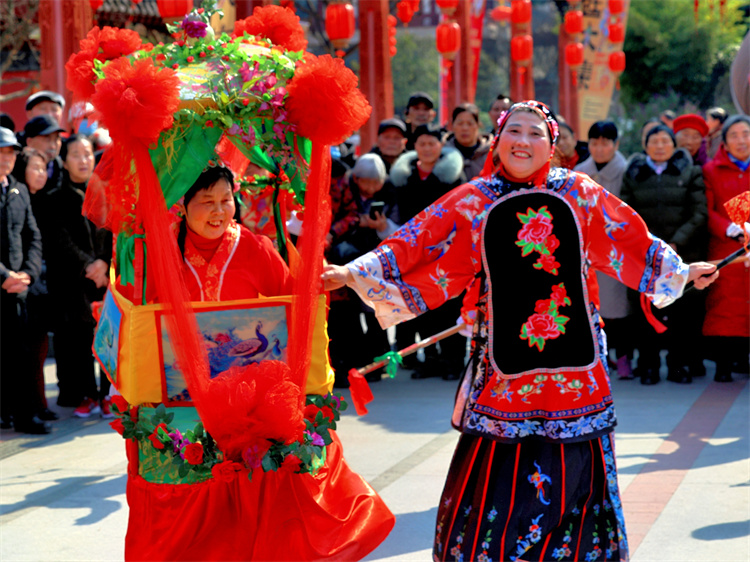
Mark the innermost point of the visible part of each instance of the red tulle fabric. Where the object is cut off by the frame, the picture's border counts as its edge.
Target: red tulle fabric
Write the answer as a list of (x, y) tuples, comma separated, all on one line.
[(360, 391), (246, 406), (324, 91), (136, 101), (96, 203), (307, 285), (99, 44), (334, 515), (276, 23)]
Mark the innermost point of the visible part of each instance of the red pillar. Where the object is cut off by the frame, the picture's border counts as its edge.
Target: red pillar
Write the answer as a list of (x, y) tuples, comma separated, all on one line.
[(568, 92), (375, 78), (62, 23), (460, 88)]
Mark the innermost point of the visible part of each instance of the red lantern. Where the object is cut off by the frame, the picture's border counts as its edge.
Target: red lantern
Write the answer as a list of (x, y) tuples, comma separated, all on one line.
[(96, 4), (617, 62), (447, 7), (404, 11), (573, 22), (448, 39), (414, 5), (340, 24), (173, 9), (392, 41), (520, 11), (616, 32), (392, 51), (574, 55), (521, 49), (616, 7), (500, 13)]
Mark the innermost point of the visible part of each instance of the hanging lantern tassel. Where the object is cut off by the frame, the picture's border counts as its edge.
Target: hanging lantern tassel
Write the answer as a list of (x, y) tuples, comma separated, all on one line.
[(695, 9)]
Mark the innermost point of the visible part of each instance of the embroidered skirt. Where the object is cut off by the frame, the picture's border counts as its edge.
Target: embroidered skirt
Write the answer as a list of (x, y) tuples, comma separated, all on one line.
[(531, 501)]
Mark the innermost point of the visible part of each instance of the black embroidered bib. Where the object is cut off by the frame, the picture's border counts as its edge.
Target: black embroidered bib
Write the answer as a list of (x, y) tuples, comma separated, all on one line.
[(538, 301)]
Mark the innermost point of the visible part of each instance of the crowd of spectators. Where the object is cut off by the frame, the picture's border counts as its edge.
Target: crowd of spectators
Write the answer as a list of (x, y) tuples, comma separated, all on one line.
[(55, 262)]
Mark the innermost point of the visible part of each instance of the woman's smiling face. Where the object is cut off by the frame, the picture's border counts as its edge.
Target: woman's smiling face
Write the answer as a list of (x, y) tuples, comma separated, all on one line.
[(211, 211), (524, 145)]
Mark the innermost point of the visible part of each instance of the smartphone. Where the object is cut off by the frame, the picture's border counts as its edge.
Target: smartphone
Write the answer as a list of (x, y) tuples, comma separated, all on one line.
[(376, 207)]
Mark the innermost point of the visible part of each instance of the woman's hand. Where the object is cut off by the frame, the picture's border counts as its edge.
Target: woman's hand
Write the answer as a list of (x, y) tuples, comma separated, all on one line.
[(335, 277), (698, 270)]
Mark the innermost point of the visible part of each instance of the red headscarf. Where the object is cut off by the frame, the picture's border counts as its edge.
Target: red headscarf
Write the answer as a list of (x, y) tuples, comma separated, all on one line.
[(540, 176)]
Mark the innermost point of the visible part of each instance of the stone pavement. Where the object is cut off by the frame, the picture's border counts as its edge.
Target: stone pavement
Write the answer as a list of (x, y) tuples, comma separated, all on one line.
[(683, 456)]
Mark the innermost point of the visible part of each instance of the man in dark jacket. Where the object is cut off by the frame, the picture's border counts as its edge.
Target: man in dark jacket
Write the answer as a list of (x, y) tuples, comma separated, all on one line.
[(20, 265), (43, 133), (390, 142)]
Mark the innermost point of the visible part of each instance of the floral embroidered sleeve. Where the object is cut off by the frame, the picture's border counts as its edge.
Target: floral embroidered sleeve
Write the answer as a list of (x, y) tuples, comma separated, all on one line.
[(429, 260), (622, 247)]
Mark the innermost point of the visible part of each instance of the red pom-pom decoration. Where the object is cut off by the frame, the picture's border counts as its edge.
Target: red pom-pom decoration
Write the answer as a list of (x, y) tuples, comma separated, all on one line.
[(278, 24), (137, 101), (102, 44), (324, 101)]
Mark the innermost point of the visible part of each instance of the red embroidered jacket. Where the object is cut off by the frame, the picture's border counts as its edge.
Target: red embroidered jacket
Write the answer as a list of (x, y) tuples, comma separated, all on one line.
[(536, 369)]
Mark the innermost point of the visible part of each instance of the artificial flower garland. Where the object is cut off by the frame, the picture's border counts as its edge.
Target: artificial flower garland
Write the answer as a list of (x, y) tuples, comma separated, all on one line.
[(196, 451)]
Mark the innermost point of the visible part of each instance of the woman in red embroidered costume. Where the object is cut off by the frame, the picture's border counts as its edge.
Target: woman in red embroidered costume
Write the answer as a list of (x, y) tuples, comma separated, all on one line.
[(533, 476), (331, 514)]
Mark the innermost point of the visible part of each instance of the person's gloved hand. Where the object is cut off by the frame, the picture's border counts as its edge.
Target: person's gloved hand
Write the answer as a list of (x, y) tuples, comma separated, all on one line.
[(734, 230)]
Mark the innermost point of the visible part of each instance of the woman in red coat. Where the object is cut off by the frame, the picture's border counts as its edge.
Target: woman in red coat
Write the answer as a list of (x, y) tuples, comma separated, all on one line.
[(727, 306)]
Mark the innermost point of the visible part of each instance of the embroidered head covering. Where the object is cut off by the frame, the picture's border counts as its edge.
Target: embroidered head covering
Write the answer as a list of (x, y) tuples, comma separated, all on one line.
[(546, 115)]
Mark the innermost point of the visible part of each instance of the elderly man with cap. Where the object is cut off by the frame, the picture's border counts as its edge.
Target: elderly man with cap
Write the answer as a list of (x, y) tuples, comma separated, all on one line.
[(45, 103), (43, 134), (690, 131), (390, 142), (420, 110), (20, 265)]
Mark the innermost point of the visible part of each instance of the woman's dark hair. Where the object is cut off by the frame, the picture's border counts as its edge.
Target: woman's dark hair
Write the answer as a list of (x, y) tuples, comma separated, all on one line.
[(468, 107), (662, 128), (22, 162), (603, 129), (561, 123), (69, 141), (207, 178)]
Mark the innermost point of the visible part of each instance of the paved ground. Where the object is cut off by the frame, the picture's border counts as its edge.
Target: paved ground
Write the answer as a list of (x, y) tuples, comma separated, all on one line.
[(682, 451)]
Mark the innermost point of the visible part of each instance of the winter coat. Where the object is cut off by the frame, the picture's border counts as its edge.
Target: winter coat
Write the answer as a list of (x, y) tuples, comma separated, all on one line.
[(673, 204), (474, 161), (727, 302), (414, 194), (613, 295), (73, 242), (20, 242)]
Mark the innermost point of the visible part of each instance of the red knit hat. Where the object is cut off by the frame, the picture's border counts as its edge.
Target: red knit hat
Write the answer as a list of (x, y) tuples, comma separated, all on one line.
[(691, 121)]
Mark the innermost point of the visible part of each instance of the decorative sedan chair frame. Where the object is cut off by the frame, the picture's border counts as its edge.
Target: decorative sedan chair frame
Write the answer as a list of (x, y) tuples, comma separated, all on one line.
[(172, 110)]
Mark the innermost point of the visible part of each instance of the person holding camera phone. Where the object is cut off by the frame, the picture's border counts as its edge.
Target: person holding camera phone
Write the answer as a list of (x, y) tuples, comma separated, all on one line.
[(376, 205)]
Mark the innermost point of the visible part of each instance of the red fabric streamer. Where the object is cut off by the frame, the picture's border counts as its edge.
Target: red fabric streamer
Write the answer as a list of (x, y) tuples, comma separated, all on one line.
[(276, 23), (307, 286), (360, 391), (649, 314), (232, 157)]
